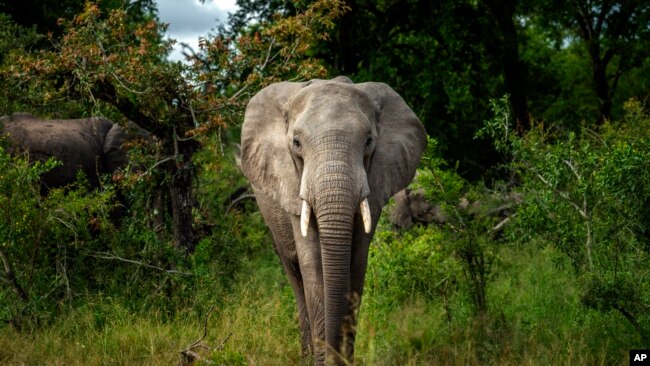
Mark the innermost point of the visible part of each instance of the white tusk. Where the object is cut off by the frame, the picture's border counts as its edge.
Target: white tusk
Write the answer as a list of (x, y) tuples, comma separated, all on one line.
[(304, 218), (365, 215)]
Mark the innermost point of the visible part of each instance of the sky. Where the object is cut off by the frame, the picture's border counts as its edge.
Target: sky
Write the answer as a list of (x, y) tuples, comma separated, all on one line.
[(190, 19)]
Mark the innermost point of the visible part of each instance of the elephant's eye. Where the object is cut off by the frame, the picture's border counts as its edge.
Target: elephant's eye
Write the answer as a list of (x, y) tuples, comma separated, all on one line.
[(368, 141), (296, 143)]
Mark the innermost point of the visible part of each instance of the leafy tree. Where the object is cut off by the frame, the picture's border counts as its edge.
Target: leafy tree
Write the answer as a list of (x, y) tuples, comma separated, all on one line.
[(116, 67), (55, 248), (44, 16), (448, 58), (115, 63), (614, 33), (437, 56), (514, 69)]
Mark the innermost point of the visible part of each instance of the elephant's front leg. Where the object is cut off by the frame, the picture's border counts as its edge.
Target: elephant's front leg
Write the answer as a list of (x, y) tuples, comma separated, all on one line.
[(291, 268), (281, 229)]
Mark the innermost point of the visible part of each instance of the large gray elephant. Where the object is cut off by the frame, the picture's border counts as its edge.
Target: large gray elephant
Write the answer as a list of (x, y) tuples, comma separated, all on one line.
[(91, 145), (323, 158)]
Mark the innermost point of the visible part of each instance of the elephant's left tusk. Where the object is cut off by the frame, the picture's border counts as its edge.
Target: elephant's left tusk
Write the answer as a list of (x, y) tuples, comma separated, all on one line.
[(365, 215), (304, 218)]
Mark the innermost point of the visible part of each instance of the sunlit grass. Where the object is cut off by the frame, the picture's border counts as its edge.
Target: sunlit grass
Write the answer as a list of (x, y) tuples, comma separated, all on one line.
[(76, 340)]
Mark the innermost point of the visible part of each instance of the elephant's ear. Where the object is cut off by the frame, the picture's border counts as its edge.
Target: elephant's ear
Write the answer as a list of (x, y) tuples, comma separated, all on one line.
[(401, 141), (265, 157), (114, 155)]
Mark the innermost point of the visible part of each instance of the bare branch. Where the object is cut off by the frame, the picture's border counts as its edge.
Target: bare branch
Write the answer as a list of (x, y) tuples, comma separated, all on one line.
[(573, 169), (205, 328), (238, 94), (501, 224), (564, 195), (66, 224), (596, 135), (175, 137), (124, 86), (240, 198), (110, 256), (196, 123), (268, 55), (161, 161)]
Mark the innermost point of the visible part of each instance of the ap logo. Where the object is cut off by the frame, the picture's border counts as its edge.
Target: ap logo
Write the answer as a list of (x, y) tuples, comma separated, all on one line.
[(639, 357)]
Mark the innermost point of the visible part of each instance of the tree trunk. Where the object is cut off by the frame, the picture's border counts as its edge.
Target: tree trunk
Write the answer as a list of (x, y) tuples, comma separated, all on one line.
[(182, 173), (591, 26), (599, 67), (181, 170), (514, 70)]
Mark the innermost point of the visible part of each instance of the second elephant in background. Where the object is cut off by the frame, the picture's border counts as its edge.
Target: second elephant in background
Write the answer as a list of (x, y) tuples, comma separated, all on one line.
[(94, 146)]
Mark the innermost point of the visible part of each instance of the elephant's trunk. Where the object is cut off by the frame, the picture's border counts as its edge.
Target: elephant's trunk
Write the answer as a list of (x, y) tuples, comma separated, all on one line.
[(337, 194), (335, 218)]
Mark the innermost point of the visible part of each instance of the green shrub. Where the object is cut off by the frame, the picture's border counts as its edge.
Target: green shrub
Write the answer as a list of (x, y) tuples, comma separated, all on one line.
[(588, 194), (42, 238)]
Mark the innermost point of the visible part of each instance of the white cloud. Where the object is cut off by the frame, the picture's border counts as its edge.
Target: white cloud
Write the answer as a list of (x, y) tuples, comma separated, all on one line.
[(190, 19)]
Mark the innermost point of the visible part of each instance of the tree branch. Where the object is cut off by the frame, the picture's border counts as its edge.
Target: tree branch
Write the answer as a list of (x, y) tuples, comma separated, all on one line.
[(601, 16), (110, 256), (10, 277), (564, 195), (107, 92), (609, 54), (584, 24), (240, 198), (188, 356)]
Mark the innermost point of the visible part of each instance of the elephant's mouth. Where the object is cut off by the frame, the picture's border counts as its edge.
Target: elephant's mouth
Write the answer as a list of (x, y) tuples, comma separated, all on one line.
[(364, 209)]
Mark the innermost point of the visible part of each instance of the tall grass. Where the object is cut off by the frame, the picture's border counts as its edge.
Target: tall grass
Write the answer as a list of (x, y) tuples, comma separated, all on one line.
[(255, 320), (535, 318)]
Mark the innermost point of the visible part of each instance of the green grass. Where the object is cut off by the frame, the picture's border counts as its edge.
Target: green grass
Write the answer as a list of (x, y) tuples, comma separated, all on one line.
[(256, 321), (535, 318)]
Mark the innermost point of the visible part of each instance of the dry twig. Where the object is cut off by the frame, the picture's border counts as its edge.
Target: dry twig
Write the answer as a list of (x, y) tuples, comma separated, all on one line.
[(110, 256), (189, 356)]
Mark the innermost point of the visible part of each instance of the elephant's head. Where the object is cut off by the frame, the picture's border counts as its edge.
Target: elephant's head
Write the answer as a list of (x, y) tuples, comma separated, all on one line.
[(115, 153), (333, 153)]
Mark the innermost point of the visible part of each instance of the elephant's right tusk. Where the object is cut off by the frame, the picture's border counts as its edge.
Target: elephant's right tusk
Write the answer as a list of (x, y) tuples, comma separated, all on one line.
[(365, 215), (304, 218)]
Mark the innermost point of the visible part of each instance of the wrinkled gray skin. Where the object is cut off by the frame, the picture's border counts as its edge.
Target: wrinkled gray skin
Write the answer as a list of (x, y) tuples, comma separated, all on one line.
[(411, 207), (328, 145), (92, 145)]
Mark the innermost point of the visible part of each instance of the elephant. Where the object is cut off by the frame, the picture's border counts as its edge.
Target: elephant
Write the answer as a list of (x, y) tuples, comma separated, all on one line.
[(91, 145), (323, 157), (411, 207)]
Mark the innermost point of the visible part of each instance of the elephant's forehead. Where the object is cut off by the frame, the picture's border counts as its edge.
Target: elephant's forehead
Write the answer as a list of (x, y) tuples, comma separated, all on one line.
[(333, 113), (331, 97), (341, 125)]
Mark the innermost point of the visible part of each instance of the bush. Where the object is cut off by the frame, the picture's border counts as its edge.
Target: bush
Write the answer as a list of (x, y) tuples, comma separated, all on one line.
[(41, 238), (588, 194)]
